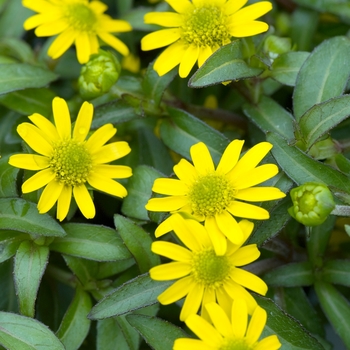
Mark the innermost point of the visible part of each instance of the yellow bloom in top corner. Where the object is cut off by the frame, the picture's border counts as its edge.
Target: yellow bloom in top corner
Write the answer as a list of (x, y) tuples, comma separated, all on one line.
[(198, 28), (68, 161), (228, 333), (75, 21), (217, 195)]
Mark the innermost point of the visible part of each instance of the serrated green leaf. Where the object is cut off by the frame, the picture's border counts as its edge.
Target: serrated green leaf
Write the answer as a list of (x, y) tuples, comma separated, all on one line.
[(291, 275), (323, 117), (225, 64), (290, 332), (30, 265), (19, 76), (139, 192), (23, 333), (151, 327), (286, 67), (183, 130), (75, 324), (268, 115), (137, 293), (336, 272), (92, 242), (20, 215), (8, 176), (323, 76), (301, 168), (138, 242), (336, 308)]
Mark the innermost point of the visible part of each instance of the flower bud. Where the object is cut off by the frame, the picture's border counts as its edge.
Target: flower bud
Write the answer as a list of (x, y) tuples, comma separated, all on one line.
[(312, 203), (98, 75)]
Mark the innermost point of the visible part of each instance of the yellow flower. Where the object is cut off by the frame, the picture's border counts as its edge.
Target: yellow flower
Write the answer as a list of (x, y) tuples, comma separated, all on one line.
[(202, 275), (214, 195), (228, 333), (75, 21), (66, 162), (199, 28)]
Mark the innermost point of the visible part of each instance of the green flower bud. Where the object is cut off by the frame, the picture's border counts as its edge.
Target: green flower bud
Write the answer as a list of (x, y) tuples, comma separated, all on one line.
[(312, 203), (98, 75)]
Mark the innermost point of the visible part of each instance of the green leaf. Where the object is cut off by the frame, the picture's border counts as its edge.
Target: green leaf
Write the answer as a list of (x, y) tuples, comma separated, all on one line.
[(336, 272), (139, 192), (321, 118), (183, 130), (151, 327), (30, 265), (19, 76), (154, 85), (301, 168), (109, 334), (8, 176), (20, 215), (29, 101), (323, 76), (24, 333), (18, 49), (75, 324), (268, 115), (225, 64), (290, 332), (290, 275), (138, 242), (286, 67), (130, 334), (135, 294), (336, 308), (92, 242), (8, 300)]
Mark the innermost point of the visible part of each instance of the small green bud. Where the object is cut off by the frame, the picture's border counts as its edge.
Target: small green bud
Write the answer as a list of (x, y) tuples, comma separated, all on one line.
[(312, 203), (98, 75)]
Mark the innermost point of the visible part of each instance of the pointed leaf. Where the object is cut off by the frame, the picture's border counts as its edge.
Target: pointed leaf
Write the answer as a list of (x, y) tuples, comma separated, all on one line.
[(337, 272), (8, 176)]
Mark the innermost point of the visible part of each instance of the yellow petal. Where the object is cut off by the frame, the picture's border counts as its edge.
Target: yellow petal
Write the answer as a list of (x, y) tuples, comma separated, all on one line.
[(163, 228), (170, 187), (233, 6), (169, 58), (63, 202), (171, 251), (94, 44), (170, 271), (98, 7), (192, 302), (114, 42), (110, 152), (245, 255), (256, 324), (114, 25), (230, 156), (217, 237), (83, 122), (165, 19), (35, 138), (100, 137), (185, 171), (52, 28), (107, 185), (224, 300), (269, 343), (248, 29), (248, 211), (219, 319), (38, 5), (49, 196), (188, 60), (62, 118), (239, 318), (40, 19), (61, 44), (193, 344), (113, 171), (201, 158), (38, 180), (160, 38), (29, 161), (251, 12), (82, 44), (176, 291), (84, 201), (204, 53), (181, 6), (45, 126), (249, 280), (166, 204), (229, 227), (209, 296), (259, 194)]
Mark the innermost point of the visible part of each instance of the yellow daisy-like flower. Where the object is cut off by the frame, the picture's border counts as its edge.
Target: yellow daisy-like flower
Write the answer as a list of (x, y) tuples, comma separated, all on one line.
[(228, 333), (75, 21), (216, 195), (202, 275), (198, 28), (67, 162)]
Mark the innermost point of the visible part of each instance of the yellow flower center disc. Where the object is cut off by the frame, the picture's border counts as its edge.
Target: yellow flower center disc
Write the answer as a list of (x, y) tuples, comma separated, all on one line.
[(236, 344), (81, 17)]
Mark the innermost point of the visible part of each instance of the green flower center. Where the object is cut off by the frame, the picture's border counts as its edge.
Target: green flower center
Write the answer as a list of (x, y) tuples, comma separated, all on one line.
[(71, 162), (236, 344), (81, 17), (211, 194), (210, 269), (206, 26), (307, 202)]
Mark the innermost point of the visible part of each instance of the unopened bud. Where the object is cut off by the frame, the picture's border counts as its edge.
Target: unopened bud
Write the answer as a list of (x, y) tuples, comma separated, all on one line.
[(312, 203), (98, 75)]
